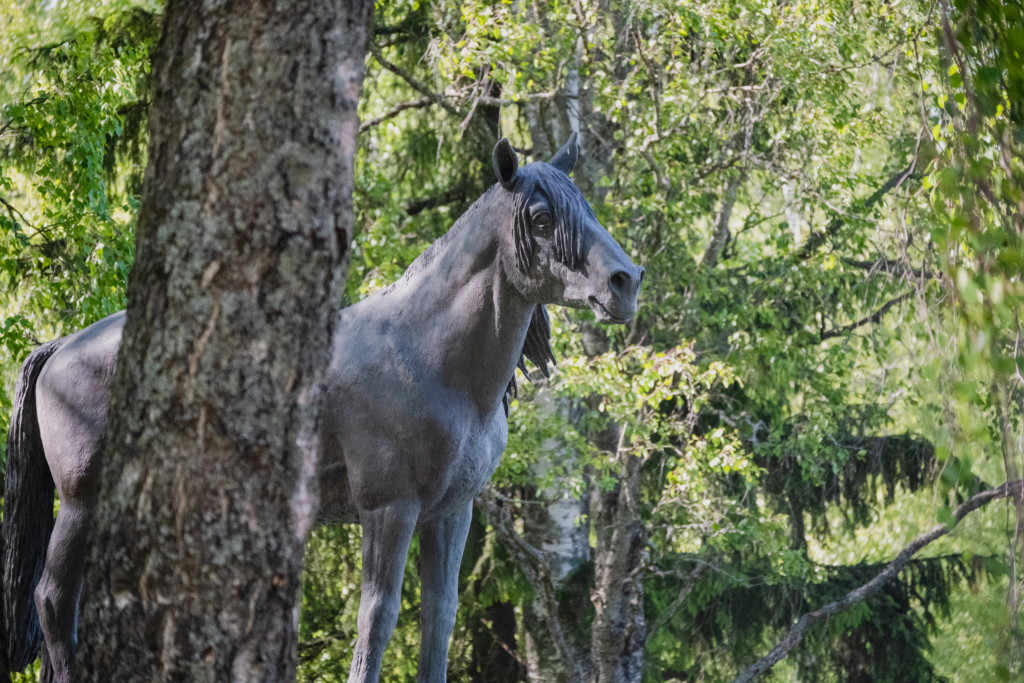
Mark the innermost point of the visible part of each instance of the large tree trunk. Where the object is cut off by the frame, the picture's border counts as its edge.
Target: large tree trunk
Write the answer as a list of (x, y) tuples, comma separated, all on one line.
[(208, 483)]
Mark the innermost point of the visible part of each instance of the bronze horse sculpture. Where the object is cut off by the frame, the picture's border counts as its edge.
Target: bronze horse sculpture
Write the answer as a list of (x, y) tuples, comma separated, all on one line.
[(414, 415)]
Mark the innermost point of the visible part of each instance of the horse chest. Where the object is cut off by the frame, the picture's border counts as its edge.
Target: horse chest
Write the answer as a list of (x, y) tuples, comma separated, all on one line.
[(473, 454), (435, 447)]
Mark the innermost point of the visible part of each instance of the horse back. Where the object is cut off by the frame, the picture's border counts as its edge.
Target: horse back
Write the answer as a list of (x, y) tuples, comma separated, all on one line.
[(73, 392)]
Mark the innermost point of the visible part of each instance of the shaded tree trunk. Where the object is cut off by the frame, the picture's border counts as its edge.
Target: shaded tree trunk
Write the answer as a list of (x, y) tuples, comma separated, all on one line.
[(611, 648), (210, 457), (553, 522), (620, 626), (496, 645)]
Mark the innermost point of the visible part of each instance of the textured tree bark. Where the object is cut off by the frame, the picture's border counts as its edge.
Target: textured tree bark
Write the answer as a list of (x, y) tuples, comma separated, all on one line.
[(619, 632), (209, 460)]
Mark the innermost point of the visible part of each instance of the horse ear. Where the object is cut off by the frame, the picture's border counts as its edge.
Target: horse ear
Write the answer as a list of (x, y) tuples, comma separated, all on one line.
[(506, 164), (565, 158)]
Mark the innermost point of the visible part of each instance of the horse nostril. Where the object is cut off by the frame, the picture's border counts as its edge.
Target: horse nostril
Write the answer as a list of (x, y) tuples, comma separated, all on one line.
[(619, 282)]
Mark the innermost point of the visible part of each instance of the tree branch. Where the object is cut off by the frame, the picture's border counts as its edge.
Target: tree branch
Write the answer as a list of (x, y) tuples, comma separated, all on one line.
[(456, 194), (502, 644), (532, 562), (442, 99), (390, 30), (896, 267), (815, 239), (796, 632), (13, 212), (395, 111), (413, 82), (873, 318), (490, 101)]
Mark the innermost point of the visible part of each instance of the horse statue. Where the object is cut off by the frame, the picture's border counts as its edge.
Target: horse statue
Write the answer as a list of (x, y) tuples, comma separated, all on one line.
[(414, 413)]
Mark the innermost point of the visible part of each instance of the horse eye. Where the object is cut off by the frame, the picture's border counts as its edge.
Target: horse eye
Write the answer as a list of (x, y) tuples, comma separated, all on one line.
[(542, 220)]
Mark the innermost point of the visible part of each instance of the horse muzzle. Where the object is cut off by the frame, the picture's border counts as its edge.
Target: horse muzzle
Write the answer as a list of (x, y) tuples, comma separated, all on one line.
[(620, 305)]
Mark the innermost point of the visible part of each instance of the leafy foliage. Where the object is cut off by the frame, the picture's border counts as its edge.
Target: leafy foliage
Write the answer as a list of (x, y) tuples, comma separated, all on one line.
[(73, 105), (827, 199)]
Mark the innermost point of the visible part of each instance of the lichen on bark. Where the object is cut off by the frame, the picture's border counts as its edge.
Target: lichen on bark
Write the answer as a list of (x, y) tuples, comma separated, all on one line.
[(208, 485)]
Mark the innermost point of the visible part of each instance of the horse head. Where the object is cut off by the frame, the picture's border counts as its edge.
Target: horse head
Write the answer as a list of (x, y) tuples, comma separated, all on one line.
[(557, 252)]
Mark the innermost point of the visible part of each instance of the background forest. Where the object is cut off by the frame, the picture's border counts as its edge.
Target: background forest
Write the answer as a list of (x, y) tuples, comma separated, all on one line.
[(826, 195)]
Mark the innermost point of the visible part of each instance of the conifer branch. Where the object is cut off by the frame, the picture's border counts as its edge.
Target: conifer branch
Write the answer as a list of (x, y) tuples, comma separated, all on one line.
[(797, 630)]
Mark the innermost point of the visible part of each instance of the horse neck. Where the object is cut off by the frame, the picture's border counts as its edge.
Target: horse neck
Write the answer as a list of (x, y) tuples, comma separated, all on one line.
[(462, 302)]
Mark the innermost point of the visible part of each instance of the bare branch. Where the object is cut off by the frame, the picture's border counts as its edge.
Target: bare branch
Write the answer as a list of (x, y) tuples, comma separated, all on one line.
[(895, 267), (873, 318), (395, 111), (441, 99), (413, 82), (489, 101), (796, 632), (502, 644), (815, 239)]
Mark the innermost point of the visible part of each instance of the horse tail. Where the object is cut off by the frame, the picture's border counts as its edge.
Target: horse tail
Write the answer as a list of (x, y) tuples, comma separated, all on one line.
[(28, 519)]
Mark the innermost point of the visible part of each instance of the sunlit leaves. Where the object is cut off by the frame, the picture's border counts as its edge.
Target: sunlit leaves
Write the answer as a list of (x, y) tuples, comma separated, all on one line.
[(771, 363), (70, 172)]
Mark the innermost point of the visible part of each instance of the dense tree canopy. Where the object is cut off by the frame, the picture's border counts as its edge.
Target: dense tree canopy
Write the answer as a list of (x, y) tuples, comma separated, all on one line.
[(827, 198)]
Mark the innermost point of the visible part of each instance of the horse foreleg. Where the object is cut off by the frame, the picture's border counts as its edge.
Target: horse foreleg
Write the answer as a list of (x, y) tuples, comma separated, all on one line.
[(59, 590), (442, 542), (386, 534)]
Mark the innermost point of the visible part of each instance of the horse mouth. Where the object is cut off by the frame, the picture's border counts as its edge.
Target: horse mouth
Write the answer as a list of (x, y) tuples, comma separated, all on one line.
[(604, 315)]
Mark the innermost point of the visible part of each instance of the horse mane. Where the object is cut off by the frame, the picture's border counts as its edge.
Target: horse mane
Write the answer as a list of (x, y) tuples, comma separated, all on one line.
[(569, 210), (536, 347), (568, 207), (437, 246)]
